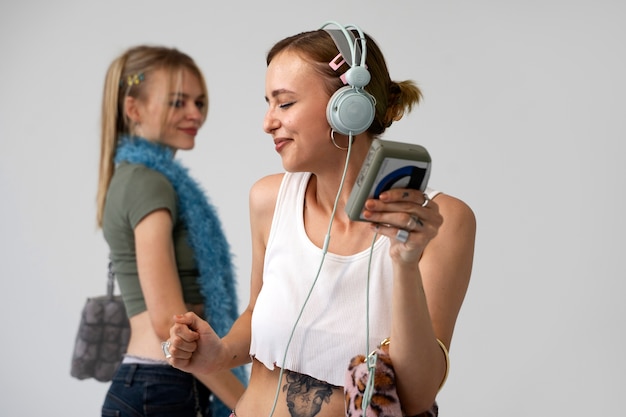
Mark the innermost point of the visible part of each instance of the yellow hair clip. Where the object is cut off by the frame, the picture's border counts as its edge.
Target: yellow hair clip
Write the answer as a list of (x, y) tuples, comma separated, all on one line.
[(133, 79)]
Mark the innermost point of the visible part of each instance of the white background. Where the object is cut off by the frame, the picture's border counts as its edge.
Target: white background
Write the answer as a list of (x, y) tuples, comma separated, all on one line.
[(524, 117)]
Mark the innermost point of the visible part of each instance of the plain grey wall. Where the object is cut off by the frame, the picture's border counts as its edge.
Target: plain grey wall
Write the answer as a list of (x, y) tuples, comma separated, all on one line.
[(524, 117)]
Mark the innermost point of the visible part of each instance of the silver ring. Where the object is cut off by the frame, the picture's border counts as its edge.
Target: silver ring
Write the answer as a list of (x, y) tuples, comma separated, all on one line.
[(426, 200), (414, 219), (166, 349), (402, 235)]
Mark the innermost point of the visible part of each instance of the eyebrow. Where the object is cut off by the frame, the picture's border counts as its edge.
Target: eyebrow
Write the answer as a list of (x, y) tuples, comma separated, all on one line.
[(186, 96), (279, 92)]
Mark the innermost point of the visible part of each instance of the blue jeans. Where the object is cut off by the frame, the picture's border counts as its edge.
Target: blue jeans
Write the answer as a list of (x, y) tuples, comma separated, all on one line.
[(139, 390)]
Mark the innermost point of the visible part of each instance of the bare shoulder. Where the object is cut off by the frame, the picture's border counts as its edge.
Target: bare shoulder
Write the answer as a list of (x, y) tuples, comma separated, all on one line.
[(456, 213), (263, 194)]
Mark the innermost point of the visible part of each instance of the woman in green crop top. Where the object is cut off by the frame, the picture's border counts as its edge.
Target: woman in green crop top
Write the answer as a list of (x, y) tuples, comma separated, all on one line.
[(161, 230)]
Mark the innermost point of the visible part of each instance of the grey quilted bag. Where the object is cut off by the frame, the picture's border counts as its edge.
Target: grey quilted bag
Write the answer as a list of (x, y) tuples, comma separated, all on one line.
[(102, 337)]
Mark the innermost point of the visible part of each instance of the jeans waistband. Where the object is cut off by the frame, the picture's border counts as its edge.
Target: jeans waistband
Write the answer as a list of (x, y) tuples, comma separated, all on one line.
[(130, 372)]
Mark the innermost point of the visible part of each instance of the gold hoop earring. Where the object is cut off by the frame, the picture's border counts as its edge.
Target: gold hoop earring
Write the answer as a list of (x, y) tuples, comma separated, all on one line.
[(332, 139)]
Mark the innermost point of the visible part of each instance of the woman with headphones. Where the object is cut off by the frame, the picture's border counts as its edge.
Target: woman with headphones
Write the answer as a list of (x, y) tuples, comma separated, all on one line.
[(324, 286)]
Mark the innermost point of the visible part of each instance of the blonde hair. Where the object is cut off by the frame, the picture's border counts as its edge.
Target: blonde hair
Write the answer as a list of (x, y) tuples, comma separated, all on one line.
[(393, 98), (125, 78)]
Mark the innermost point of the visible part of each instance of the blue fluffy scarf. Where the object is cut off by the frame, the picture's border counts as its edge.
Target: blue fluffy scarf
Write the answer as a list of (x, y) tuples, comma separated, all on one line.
[(206, 238)]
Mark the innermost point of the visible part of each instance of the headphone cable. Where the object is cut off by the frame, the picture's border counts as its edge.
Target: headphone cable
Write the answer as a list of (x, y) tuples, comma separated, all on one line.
[(317, 275)]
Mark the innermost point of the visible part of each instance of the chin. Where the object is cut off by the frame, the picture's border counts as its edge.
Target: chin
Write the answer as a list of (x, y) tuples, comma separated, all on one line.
[(186, 144)]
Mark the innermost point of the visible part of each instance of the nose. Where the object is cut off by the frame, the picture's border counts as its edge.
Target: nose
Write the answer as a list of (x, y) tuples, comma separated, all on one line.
[(270, 122), (194, 113)]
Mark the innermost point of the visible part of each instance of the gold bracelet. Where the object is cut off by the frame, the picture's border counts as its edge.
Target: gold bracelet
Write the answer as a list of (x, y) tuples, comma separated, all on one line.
[(447, 356)]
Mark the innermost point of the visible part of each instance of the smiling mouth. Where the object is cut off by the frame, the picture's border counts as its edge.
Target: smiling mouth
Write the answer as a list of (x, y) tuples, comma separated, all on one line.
[(190, 131), (280, 143)]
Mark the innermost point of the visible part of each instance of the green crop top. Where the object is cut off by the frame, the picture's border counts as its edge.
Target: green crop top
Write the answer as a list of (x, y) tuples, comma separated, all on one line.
[(136, 191)]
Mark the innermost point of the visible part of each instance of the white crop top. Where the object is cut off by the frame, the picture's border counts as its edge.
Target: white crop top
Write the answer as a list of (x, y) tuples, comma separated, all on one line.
[(332, 327)]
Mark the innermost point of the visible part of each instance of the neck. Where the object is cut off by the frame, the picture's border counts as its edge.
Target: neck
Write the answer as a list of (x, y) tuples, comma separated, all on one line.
[(326, 181)]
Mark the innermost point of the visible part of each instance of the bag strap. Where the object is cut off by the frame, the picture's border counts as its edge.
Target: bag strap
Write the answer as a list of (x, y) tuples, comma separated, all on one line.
[(110, 281)]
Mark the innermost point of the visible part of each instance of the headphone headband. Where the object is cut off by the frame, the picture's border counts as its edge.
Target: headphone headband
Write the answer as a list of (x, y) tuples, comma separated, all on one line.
[(347, 44)]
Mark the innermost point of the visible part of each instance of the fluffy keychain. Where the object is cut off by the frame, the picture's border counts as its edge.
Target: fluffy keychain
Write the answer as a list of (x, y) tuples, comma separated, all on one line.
[(379, 395)]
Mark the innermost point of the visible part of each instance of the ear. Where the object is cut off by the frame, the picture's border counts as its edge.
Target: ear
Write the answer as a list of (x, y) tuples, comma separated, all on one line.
[(131, 109)]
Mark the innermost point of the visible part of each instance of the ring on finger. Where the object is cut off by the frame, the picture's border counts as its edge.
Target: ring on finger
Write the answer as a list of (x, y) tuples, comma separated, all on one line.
[(165, 346), (426, 200), (413, 221), (402, 235)]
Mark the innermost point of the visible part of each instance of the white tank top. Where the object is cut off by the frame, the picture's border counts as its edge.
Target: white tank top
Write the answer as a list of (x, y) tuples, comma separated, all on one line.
[(332, 326)]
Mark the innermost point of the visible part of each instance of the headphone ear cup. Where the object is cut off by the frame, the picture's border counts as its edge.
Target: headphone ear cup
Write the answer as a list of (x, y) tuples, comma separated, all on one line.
[(350, 111)]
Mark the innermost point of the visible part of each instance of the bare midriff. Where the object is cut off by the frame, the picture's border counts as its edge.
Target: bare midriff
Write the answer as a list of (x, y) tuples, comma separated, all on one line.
[(298, 395), (144, 341)]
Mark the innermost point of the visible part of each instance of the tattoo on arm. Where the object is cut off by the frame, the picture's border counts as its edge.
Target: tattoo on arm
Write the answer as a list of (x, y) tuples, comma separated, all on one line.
[(305, 394)]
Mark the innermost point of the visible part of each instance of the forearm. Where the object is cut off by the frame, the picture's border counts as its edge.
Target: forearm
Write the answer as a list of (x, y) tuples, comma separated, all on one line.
[(435, 292), (417, 357), (224, 385), (237, 342)]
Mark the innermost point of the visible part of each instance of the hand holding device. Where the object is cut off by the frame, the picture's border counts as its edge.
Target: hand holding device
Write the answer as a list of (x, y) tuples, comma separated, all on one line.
[(388, 165)]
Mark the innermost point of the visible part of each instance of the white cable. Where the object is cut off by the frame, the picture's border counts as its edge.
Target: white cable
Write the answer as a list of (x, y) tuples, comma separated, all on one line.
[(317, 275), (371, 357)]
